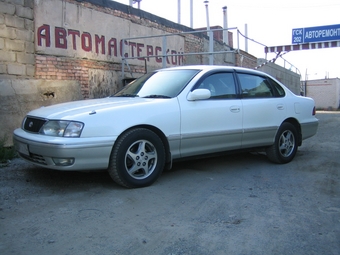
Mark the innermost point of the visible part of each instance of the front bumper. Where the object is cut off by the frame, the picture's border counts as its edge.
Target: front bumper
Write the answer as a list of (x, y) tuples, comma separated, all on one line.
[(82, 153)]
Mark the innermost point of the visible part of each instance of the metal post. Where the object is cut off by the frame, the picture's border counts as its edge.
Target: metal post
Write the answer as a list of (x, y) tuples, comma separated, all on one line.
[(238, 41), (225, 26), (164, 46), (211, 36), (192, 13), (131, 2), (179, 11), (123, 58), (246, 39)]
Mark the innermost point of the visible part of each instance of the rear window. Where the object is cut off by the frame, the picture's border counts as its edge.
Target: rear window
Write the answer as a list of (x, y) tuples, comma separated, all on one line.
[(278, 89), (255, 86)]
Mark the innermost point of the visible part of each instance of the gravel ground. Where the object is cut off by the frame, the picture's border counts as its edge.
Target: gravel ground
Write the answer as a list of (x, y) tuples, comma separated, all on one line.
[(236, 204)]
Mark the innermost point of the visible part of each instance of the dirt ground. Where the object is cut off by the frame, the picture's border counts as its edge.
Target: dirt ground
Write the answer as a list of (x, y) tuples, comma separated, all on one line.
[(237, 204)]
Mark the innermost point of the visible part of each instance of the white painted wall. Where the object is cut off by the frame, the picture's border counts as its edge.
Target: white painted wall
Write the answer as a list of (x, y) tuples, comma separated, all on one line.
[(67, 29), (326, 93)]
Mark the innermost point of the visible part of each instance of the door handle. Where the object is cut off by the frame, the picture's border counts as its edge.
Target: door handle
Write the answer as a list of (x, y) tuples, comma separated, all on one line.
[(280, 107), (235, 108)]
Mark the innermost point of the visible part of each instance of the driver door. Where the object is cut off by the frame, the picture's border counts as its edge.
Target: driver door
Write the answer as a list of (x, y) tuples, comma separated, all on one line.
[(214, 124)]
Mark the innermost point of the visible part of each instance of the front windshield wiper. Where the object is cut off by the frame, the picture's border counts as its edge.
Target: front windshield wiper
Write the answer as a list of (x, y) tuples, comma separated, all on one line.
[(156, 96), (126, 95)]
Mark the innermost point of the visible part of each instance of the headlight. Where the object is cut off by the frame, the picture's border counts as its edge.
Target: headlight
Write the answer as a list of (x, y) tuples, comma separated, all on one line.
[(62, 128)]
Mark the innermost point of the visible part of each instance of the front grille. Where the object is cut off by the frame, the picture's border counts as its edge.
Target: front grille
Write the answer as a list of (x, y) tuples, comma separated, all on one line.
[(33, 125)]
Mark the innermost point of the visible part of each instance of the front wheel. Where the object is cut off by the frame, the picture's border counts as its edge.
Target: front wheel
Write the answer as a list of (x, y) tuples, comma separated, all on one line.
[(285, 146), (137, 158)]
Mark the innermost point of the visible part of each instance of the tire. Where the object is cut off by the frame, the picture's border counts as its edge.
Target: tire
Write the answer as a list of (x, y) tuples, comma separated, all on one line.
[(285, 146), (137, 158)]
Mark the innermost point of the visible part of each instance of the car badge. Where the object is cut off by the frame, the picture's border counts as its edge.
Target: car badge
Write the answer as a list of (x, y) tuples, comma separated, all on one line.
[(30, 124)]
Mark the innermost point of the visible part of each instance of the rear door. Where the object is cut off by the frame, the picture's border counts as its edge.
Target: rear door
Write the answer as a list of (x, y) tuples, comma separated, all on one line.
[(264, 109), (214, 124)]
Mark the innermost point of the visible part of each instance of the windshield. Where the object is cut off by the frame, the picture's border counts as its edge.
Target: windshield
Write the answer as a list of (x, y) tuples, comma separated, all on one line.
[(161, 84)]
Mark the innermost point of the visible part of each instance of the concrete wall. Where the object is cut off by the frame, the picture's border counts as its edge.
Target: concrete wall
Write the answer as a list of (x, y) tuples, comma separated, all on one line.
[(16, 39), (287, 77), (325, 92), (18, 96)]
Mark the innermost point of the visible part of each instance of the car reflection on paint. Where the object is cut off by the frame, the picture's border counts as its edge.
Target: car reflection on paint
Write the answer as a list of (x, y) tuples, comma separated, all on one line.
[(167, 115)]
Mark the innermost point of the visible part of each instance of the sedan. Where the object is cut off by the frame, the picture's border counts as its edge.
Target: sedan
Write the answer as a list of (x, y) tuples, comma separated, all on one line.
[(167, 115)]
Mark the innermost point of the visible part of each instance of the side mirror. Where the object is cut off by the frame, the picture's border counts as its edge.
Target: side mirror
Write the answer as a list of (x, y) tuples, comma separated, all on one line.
[(199, 94)]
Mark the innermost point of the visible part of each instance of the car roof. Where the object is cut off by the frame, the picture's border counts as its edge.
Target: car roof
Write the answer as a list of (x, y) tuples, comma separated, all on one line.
[(215, 67)]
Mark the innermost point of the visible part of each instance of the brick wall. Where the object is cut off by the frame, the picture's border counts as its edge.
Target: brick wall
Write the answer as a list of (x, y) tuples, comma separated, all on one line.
[(244, 59), (70, 68), (17, 57), (62, 68)]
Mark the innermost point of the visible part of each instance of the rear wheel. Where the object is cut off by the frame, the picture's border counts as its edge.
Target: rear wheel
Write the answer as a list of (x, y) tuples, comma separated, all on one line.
[(137, 158), (285, 146)]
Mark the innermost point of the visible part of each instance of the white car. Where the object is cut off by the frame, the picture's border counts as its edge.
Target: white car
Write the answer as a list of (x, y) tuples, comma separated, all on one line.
[(167, 115)]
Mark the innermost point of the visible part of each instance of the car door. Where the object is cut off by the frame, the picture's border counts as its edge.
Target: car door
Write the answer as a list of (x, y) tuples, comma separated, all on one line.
[(213, 124), (263, 109)]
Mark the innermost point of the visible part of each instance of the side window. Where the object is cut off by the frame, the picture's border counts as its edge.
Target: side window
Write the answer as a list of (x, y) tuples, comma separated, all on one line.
[(253, 86), (280, 92), (221, 85)]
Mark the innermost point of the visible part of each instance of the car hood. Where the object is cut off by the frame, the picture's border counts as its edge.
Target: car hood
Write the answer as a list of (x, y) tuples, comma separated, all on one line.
[(72, 110)]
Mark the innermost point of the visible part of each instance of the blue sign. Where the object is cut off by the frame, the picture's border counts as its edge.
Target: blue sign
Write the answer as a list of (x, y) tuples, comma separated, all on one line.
[(316, 34)]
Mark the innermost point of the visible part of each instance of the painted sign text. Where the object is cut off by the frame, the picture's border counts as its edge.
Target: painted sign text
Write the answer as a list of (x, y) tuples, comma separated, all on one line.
[(101, 45)]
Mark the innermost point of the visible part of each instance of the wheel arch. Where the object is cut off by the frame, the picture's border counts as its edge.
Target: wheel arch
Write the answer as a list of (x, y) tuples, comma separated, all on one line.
[(161, 135), (297, 125)]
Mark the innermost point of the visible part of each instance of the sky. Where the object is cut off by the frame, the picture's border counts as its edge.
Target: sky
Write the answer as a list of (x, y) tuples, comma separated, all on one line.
[(269, 22)]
